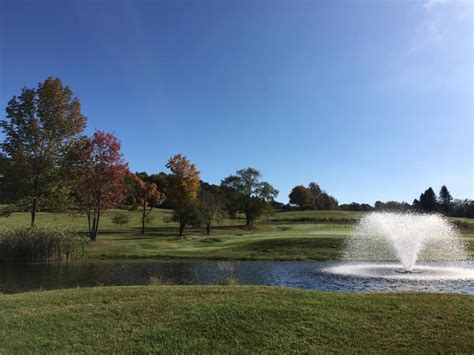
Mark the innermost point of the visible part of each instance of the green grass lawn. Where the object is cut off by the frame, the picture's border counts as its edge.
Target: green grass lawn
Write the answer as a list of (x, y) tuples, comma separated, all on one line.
[(233, 319), (312, 235)]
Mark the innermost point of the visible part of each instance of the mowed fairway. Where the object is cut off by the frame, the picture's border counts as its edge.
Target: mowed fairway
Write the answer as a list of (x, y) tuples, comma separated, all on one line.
[(307, 235), (233, 319)]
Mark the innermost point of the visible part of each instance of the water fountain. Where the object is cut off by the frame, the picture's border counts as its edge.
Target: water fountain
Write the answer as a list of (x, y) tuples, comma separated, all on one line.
[(424, 246)]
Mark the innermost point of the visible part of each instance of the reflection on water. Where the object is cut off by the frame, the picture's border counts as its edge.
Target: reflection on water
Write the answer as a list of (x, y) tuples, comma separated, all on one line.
[(307, 275)]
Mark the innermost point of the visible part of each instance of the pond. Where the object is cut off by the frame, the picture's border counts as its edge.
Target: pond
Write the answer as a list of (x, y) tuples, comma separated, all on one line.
[(311, 275)]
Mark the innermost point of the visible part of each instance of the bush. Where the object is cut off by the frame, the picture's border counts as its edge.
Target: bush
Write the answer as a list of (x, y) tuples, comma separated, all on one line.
[(120, 219), (40, 245)]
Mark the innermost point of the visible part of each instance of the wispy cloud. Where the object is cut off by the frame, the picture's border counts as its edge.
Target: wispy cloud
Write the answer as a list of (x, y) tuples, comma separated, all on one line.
[(432, 3)]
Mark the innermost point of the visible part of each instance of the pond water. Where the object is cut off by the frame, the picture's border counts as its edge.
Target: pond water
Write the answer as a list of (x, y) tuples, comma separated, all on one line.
[(312, 275)]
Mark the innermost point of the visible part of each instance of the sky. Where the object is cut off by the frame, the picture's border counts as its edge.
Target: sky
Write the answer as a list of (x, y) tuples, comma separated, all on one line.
[(374, 100)]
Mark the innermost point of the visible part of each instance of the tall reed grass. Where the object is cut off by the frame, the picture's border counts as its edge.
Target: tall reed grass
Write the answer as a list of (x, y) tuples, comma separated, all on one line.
[(40, 245)]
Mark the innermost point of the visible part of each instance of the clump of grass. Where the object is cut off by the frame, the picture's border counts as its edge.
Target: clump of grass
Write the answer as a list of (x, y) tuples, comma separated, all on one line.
[(40, 245), (155, 280), (227, 274)]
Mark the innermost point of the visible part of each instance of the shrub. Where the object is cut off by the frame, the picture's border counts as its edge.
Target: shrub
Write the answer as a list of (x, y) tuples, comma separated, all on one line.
[(155, 280), (120, 219), (40, 245)]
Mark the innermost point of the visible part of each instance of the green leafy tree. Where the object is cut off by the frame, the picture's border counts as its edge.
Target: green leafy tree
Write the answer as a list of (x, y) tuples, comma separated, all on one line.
[(302, 197), (315, 191), (326, 202), (254, 194), (40, 126), (210, 207)]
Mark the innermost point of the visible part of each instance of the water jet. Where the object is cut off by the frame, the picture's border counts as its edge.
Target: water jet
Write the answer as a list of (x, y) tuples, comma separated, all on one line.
[(425, 246)]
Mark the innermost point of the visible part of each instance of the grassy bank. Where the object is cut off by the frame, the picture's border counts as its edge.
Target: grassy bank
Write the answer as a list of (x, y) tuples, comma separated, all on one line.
[(170, 319), (314, 235)]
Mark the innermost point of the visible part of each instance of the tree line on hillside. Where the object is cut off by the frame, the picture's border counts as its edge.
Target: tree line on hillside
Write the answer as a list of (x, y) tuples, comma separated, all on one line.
[(47, 163), (428, 202)]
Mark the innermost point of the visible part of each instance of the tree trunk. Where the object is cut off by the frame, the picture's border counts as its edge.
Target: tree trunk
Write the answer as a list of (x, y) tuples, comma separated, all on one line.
[(248, 220), (143, 217), (208, 228), (181, 228), (95, 226), (33, 211)]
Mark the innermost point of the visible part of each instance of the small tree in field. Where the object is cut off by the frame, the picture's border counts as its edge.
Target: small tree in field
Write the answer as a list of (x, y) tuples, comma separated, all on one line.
[(41, 125), (210, 208), (146, 196), (97, 176), (182, 190), (120, 219)]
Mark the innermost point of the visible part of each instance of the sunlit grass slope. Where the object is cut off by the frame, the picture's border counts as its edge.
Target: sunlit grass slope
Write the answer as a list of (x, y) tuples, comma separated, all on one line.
[(314, 235), (177, 319)]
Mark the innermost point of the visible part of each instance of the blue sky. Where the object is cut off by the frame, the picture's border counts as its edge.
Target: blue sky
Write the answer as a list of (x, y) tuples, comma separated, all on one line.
[(374, 100)]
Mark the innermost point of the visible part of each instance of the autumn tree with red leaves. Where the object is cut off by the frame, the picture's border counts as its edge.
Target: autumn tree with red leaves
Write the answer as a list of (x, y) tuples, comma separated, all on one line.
[(97, 175)]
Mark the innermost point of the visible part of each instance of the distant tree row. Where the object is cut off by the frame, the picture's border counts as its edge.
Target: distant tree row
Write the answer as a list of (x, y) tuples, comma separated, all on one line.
[(444, 203), (312, 198), (427, 202)]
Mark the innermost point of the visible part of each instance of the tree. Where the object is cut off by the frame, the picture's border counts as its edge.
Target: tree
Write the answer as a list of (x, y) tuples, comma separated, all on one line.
[(120, 219), (161, 182), (445, 199), (302, 197), (253, 193), (427, 200), (146, 196), (41, 124), (315, 191), (326, 202), (182, 189), (209, 207), (97, 176)]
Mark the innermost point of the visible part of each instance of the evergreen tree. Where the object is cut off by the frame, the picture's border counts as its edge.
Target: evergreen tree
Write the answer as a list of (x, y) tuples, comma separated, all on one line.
[(428, 201), (445, 199)]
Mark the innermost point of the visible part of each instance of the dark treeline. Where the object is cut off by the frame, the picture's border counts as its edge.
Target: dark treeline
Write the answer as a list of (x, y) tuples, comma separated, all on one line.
[(428, 202)]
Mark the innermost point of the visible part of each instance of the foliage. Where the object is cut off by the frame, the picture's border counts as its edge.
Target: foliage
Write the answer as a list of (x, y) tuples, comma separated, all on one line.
[(315, 191), (301, 196), (445, 199), (161, 182), (354, 206), (209, 207), (41, 125), (182, 189), (428, 201), (120, 218), (97, 175), (145, 195), (254, 194), (40, 245)]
